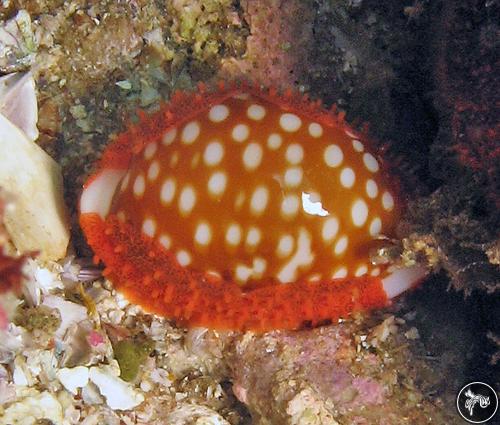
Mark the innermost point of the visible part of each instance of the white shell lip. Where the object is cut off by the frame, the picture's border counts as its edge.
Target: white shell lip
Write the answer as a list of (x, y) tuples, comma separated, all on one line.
[(402, 279), (98, 195)]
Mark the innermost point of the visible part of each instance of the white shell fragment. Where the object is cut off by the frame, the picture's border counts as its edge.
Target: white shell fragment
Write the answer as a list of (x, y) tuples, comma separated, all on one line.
[(38, 221), (73, 378), (33, 407), (70, 312), (119, 395)]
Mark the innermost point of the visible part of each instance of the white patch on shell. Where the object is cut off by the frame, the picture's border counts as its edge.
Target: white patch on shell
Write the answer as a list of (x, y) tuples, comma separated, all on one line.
[(259, 199), (213, 153), (167, 191), (293, 176), (371, 188), (294, 154), (330, 229), (358, 146), (375, 226), (290, 206), (361, 270), (285, 246), (253, 237), (252, 156), (149, 227), (370, 162), (256, 112), (169, 137), (150, 150), (203, 234), (340, 273), (240, 132), (315, 130), (359, 212), (153, 171), (139, 186), (333, 156), (387, 201), (218, 113), (302, 257), (183, 257), (187, 200), (165, 241), (217, 183), (341, 245), (233, 234), (347, 177), (290, 122), (274, 141), (190, 132)]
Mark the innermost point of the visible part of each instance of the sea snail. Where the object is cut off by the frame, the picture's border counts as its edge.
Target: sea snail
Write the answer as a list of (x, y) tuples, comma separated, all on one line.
[(241, 208)]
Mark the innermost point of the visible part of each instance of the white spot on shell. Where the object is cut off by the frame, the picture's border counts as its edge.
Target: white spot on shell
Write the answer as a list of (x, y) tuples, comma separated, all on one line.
[(150, 150), (340, 273), (285, 246), (213, 153), (361, 270), (217, 183), (330, 229), (333, 156), (243, 273), (375, 272), (169, 136), (259, 266), (258, 202), (358, 146), (387, 201), (203, 234), (139, 186), (274, 141), (253, 237), (341, 245), (187, 200), (370, 162), (190, 132), (371, 188), (183, 257), (167, 191), (294, 153), (256, 112), (149, 227), (233, 234), (252, 156), (359, 213), (303, 256), (293, 176), (375, 226), (240, 132), (315, 130), (290, 122), (165, 241), (290, 206), (153, 171), (218, 113), (347, 177)]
